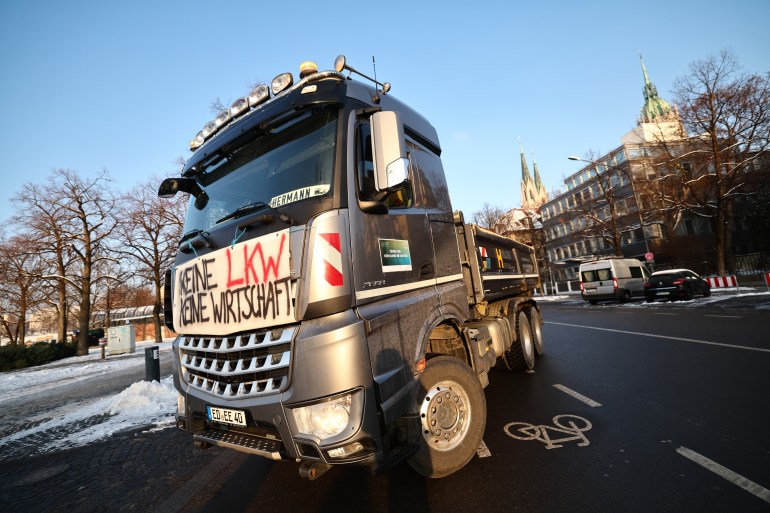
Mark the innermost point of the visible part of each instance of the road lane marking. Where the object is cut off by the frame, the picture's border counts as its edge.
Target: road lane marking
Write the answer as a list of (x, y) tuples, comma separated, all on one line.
[(723, 472), (661, 313), (725, 316), (578, 396), (483, 451), (563, 425), (681, 339)]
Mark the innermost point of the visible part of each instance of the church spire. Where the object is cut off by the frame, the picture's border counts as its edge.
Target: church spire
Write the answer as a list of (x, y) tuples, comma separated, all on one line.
[(533, 193), (538, 182), (525, 176), (655, 109)]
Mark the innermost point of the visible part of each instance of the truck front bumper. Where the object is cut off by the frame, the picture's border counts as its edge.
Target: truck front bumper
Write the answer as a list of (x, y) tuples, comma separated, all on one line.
[(323, 409)]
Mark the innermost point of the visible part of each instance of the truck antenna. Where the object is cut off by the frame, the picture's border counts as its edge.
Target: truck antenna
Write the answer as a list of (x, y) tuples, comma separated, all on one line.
[(376, 97)]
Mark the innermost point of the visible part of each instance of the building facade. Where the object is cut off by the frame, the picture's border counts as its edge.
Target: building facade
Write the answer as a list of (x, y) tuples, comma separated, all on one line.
[(617, 204), (602, 212)]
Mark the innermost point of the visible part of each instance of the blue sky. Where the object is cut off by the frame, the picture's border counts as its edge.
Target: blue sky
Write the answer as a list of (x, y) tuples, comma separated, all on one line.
[(123, 86)]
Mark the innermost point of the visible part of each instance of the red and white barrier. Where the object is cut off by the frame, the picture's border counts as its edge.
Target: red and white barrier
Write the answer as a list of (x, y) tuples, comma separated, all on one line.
[(722, 282)]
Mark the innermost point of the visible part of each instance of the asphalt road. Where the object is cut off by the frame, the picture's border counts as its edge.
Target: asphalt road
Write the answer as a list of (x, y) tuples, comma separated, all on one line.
[(661, 408)]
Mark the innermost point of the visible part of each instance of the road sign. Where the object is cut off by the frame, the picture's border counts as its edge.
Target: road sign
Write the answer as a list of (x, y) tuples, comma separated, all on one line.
[(648, 256)]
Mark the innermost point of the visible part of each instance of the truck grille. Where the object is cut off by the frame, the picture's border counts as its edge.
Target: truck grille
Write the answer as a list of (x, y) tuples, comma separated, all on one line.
[(238, 366)]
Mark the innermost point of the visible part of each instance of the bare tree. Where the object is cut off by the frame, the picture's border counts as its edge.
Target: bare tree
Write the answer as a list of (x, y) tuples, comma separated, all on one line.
[(89, 205), (728, 113), (151, 234), (492, 218), (20, 289), (45, 220)]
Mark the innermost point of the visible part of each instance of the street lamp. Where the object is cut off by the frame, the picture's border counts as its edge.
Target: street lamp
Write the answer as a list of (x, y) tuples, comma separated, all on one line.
[(636, 199)]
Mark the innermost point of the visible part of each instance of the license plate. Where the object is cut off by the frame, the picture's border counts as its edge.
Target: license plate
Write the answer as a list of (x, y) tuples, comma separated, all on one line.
[(225, 416)]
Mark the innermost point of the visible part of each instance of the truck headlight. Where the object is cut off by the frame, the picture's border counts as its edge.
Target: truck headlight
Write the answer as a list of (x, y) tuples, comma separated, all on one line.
[(324, 419)]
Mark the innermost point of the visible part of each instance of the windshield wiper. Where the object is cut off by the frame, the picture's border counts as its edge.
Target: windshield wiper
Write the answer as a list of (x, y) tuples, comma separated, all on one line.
[(251, 208), (196, 239), (189, 235)]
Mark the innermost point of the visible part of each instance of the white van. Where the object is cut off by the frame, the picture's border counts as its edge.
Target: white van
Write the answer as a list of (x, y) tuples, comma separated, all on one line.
[(612, 279)]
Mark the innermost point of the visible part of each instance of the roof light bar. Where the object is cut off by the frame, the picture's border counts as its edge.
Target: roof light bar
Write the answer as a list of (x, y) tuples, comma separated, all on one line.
[(281, 83), (197, 141), (208, 129), (222, 118), (261, 94), (239, 106)]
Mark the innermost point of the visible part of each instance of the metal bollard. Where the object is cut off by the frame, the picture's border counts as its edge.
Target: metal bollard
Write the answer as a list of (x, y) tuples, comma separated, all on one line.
[(102, 345), (152, 364)]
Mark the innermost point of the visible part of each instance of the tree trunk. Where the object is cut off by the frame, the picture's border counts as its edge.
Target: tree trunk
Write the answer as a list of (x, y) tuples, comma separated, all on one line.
[(719, 242), (21, 330), (728, 243), (61, 321), (157, 309), (85, 311)]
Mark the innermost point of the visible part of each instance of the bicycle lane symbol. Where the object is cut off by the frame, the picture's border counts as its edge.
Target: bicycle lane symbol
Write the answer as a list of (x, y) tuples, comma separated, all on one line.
[(570, 425)]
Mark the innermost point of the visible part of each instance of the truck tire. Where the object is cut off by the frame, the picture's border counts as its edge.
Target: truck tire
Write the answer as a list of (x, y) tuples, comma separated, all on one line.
[(536, 327), (453, 415), (521, 355)]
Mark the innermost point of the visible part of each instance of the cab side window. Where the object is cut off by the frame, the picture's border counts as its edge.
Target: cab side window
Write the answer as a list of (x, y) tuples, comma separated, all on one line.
[(401, 198)]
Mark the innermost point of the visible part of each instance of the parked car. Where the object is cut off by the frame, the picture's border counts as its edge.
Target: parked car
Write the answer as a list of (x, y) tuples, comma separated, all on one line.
[(94, 335), (675, 284), (614, 279)]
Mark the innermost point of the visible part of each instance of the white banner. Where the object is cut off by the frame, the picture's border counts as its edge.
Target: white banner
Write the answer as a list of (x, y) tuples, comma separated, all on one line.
[(238, 288)]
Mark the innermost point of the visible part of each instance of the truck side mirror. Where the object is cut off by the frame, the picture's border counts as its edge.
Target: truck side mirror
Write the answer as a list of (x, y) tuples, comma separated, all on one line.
[(391, 167), (170, 186)]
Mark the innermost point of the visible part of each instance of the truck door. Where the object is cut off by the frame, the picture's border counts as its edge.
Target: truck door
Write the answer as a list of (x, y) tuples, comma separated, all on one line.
[(392, 252)]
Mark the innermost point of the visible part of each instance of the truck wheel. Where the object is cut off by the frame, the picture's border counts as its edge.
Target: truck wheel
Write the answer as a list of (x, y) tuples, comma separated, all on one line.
[(536, 328), (625, 296), (453, 415), (521, 355)]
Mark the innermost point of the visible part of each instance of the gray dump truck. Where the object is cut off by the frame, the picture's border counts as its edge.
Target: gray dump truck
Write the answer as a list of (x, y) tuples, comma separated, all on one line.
[(330, 307)]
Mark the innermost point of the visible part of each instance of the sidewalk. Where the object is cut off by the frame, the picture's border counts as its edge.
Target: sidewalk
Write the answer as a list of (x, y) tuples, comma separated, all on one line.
[(132, 472)]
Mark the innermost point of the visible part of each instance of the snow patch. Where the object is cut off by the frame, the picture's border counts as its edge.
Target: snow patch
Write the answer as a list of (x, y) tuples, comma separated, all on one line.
[(144, 403)]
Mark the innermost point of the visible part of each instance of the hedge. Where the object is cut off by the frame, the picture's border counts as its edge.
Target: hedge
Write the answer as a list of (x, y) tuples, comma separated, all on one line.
[(19, 357)]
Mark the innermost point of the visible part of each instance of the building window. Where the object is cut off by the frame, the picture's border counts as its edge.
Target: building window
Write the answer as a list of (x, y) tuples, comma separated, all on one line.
[(620, 207)]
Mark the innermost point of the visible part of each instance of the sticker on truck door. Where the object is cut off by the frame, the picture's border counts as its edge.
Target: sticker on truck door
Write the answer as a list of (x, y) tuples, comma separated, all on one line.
[(395, 256)]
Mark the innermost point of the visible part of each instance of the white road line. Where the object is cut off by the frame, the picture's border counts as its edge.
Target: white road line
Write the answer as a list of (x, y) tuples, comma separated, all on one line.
[(578, 396), (725, 316), (737, 479), (681, 339), (661, 313), (483, 451)]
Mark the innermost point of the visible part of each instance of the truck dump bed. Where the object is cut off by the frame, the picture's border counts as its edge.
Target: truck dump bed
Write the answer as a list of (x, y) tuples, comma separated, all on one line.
[(494, 267)]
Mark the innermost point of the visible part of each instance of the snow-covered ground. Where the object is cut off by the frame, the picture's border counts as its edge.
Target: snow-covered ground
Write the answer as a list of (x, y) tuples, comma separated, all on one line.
[(79, 421)]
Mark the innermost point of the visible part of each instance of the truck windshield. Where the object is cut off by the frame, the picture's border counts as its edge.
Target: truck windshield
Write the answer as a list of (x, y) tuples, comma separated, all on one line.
[(287, 161)]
